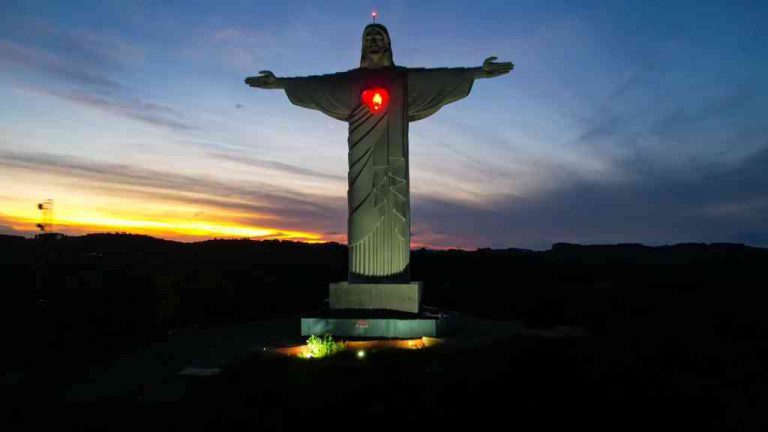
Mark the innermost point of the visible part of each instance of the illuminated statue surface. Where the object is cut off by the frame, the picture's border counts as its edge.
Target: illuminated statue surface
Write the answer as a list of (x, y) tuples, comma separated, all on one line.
[(378, 100)]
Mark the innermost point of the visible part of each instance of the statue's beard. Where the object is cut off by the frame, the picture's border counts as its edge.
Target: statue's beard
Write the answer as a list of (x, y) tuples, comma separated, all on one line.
[(375, 58)]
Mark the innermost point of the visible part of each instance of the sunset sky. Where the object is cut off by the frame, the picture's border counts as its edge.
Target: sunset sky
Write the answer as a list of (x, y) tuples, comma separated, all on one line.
[(629, 121)]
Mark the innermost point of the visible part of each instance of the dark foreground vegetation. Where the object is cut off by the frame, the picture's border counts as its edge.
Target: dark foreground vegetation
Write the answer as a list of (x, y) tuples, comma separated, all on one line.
[(673, 336)]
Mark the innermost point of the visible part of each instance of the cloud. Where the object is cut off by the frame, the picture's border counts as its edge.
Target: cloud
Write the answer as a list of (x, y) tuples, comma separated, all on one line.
[(257, 202), (148, 112), (9, 230), (677, 137), (652, 210), (80, 67), (12, 54), (90, 49), (718, 107), (239, 47), (212, 145), (277, 166)]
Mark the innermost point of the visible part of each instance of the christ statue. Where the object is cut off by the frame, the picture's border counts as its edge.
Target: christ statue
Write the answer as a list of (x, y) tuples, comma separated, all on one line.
[(378, 100)]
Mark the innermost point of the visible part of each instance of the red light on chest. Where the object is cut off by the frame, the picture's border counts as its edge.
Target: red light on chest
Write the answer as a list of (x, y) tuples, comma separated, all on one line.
[(376, 99)]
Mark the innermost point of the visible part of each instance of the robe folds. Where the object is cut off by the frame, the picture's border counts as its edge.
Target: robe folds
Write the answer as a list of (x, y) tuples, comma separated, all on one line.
[(378, 195)]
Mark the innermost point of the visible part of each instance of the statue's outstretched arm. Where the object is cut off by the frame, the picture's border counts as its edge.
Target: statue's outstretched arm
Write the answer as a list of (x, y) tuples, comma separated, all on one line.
[(267, 80), (491, 68), (333, 94)]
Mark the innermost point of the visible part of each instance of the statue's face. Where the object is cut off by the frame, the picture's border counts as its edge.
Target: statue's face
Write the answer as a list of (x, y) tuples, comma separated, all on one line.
[(376, 48)]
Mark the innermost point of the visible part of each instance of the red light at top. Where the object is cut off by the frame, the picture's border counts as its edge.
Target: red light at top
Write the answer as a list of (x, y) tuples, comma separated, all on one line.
[(376, 99)]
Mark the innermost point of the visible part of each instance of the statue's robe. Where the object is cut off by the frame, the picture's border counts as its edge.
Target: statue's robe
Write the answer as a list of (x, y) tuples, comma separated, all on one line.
[(379, 205)]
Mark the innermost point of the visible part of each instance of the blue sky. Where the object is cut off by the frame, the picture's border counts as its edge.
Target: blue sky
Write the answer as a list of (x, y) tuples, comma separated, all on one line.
[(622, 121)]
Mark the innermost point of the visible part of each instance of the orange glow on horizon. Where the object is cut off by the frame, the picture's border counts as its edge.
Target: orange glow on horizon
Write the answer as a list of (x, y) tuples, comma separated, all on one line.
[(180, 226), (80, 210), (173, 229)]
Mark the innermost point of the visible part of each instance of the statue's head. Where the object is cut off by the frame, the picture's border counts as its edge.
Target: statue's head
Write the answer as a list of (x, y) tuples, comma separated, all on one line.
[(377, 49)]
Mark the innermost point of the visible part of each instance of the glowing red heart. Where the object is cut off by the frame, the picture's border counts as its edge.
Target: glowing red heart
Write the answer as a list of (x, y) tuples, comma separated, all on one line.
[(376, 99)]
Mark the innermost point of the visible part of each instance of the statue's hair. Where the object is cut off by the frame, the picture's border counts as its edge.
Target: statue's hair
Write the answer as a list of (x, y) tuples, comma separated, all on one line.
[(386, 34)]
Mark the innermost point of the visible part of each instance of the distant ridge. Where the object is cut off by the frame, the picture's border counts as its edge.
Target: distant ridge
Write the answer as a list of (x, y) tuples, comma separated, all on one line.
[(559, 247)]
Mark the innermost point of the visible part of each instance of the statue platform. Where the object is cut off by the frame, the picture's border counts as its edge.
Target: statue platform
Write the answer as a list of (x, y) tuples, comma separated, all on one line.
[(376, 310), (377, 323)]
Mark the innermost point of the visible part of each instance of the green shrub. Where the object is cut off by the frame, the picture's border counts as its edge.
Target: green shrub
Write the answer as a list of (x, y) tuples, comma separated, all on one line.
[(323, 346)]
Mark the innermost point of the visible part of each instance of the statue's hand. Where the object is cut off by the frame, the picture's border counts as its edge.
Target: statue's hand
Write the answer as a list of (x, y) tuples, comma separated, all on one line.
[(267, 80), (492, 69)]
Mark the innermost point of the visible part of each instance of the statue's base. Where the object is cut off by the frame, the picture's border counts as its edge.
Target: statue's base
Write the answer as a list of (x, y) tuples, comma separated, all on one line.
[(355, 323), (397, 297)]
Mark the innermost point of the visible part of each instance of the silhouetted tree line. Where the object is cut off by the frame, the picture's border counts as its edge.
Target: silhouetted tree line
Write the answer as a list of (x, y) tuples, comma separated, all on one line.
[(100, 293)]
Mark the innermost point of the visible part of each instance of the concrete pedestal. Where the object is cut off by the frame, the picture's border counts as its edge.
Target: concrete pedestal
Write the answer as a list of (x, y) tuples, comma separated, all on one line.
[(376, 324), (375, 310), (396, 297)]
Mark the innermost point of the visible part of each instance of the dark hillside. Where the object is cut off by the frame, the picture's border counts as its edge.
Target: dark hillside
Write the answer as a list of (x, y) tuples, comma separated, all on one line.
[(673, 326)]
